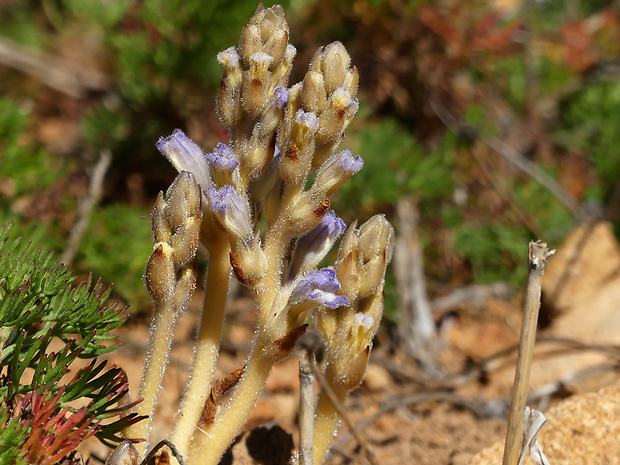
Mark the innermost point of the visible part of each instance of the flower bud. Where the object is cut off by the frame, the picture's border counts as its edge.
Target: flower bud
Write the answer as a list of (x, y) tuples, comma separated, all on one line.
[(282, 70), (372, 306), (185, 155), (313, 95), (314, 246), (185, 241), (231, 60), (124, 454), (232, 210), (256, 84), (346, 266), (348, 273), (276, 45), (223, 162), (273, 115), (337, 114), (335, 171), (351, 372), (372, 275), (297, 154), (248, 261), (335, 61), (159, 221), (351, 80), (375, 237), (271, 20), (159, 274), (183, 198), (250, 42)]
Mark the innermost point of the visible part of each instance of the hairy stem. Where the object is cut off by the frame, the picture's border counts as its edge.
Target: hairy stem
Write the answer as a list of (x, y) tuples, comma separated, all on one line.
[(326, 424), (210, 445), (207, 347), (157, 357)]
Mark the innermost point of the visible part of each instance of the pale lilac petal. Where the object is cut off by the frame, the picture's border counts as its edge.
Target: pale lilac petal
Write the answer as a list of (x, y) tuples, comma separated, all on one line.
[(223, 158), (314, 246), (185, 155), (307, 119), (320, 287), (281, 97), (232, 210)]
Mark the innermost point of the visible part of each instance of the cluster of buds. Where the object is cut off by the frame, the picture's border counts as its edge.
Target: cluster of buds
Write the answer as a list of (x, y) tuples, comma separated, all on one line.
[(170, 279), (170, 276), (265, 202)]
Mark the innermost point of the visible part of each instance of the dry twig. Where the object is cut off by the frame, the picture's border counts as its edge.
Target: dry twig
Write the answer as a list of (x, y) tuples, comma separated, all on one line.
[(417, 328), (306, 406), (537, 258), (71, 79), (86, 206)]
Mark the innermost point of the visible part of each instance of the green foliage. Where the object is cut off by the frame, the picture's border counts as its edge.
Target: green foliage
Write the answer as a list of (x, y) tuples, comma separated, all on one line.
[(396, 165), (12, 435), (510, 74), (591, 121), (492, 249), (116, 248), (31, 169), (39, 305)]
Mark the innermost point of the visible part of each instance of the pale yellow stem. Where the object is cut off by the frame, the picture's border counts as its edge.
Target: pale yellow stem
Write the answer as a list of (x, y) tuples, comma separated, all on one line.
[(207, 346), (210, 445), (326, 424), (156, 360)]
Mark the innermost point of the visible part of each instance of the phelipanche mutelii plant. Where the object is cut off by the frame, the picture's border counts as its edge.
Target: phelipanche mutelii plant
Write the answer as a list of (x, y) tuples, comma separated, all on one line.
[(261, 206)]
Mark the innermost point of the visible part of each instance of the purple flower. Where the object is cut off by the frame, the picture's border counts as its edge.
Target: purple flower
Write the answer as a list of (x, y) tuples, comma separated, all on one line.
[(280, 97), (335, 171), (185, 155), (223, 161), (312, 247), (319, 287), (223, 158), (349, 164), (232, 210)]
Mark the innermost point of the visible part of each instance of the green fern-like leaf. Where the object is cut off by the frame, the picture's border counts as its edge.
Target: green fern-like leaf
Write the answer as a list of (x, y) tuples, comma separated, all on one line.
[(40, 304)]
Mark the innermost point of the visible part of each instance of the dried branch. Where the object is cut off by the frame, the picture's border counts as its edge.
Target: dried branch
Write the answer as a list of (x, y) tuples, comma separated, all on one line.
[(512, 155), (71, 79), (306, 406), (87, 205), (417, 328), (537, 258)]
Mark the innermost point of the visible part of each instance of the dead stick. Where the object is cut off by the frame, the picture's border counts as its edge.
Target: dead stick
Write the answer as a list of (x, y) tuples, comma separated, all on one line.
[(306, 406), (537, 258), (86, 206)]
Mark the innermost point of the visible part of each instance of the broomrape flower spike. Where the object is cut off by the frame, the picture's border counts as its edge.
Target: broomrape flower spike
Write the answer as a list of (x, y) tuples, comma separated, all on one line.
[(279, 136)]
